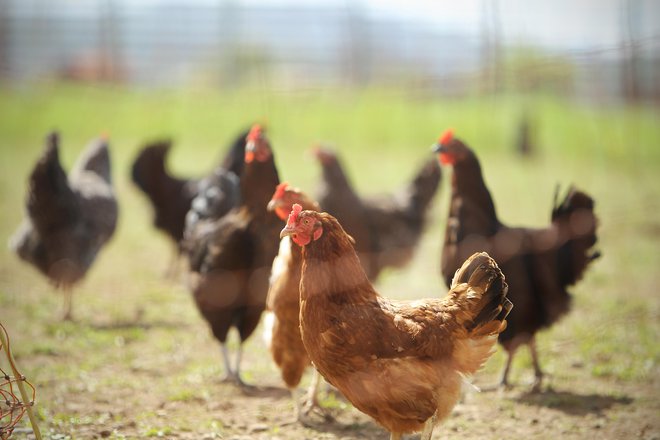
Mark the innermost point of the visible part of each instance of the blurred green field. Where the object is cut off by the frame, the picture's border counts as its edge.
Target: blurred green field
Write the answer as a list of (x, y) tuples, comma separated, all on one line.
[(606, 345)]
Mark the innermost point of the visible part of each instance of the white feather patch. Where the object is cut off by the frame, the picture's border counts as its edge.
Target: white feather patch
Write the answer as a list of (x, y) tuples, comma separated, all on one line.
[(281, 261), (269, 323)]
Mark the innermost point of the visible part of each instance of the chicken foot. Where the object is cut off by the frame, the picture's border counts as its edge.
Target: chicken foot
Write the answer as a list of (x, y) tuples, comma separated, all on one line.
[(310, 401), (232, 375)]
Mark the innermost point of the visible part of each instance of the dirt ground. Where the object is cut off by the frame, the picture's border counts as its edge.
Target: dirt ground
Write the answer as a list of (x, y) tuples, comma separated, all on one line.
[(138, 362), (156, 373)]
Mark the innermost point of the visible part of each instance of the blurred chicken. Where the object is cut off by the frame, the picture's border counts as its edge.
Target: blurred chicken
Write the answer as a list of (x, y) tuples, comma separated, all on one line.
[(539, 264), (170, 196), (386, 229), (401, 362), (68, 219), (231, 257), (282, 323)]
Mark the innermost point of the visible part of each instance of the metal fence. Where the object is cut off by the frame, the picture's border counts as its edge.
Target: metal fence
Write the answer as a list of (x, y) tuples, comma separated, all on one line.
[(226, 43)]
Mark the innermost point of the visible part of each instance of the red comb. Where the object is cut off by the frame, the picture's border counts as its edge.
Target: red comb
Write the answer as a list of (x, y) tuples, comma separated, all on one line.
[(293, 217), (279, 190), (446, 137), (255, 133)]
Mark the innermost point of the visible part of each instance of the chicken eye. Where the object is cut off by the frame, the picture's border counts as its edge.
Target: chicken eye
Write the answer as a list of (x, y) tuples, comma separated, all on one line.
[(306, 222)]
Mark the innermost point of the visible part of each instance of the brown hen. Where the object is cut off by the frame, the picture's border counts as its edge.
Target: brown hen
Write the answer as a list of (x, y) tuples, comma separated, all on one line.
[(401, 362), (282, 323)]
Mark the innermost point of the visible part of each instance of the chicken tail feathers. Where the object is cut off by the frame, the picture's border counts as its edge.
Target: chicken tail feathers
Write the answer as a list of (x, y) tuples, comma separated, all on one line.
[(480, 290), (50, 199), (574, 217), (486, 290), (149, 166), (423, 188), (96, 159)]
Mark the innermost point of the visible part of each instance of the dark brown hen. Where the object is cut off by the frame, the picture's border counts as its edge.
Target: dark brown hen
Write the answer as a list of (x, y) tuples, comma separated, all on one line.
[(386, 229), (231, 257), (539, 264), (170, 196), (68, 219)]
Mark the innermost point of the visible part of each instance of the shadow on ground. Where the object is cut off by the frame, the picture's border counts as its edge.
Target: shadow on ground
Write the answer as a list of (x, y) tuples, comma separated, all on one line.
[(573, 403)]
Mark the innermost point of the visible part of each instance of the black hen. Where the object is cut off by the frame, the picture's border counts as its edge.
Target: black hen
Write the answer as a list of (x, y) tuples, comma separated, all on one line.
[(170, 196), (231, 256), (386, 229), (68, 219), (539, 264)]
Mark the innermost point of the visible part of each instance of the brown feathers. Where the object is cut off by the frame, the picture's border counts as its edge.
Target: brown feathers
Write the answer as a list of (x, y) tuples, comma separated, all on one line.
[(383, 354)]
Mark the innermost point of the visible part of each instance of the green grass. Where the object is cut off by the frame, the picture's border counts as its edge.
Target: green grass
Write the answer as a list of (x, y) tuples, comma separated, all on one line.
[(608, 340)]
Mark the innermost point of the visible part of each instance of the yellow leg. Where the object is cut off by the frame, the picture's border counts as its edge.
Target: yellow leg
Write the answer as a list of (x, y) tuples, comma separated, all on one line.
[(427, 433), (68, 306), (311, 400)]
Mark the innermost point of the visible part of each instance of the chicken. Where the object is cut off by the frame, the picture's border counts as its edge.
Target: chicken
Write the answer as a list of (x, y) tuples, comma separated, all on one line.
[(400, 362), (171, 196), (282, 323), (387, 228), (539, 264), (219, 192), (231, 258), (69, 219)]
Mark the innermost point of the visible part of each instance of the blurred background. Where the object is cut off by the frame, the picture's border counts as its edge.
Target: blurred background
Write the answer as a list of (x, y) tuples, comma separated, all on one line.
[(596, 51)]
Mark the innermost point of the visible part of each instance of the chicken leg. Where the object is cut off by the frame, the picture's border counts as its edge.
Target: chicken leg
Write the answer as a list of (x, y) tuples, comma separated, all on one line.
[(232, 375), (504, 381), (427, 433), (538, 373), (229, 374), (311, 400), (68, 306), (237, 368)]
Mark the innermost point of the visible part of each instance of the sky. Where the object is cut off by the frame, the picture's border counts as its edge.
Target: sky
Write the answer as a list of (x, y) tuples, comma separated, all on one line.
[(559, 24), (563, 24)]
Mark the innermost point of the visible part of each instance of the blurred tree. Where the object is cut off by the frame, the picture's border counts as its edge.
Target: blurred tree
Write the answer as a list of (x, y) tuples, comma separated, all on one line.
[(247, 64), (491, 47), (529, 69), (630, 17)]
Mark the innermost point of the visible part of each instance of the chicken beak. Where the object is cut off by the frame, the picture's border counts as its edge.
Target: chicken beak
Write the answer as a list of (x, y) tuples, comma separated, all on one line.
[(271, 206), (287, 231), (250, 148), (438, 148)]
